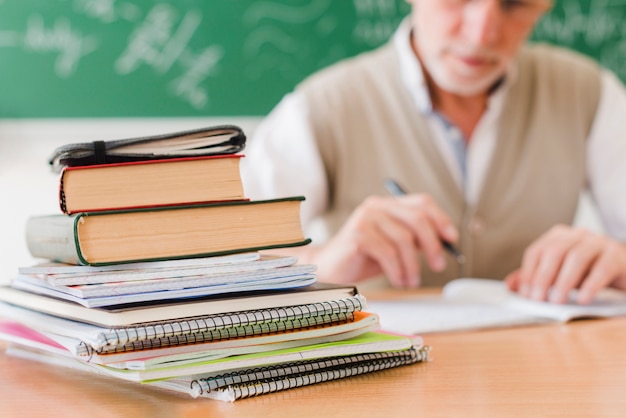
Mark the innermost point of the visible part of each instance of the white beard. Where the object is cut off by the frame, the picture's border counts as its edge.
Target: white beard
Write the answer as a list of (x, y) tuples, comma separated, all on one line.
[(454, 78)]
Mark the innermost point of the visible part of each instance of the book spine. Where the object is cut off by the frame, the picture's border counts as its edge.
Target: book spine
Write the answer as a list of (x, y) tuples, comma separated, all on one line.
[(230, 325), (62, 201), (253, 382), (53, 237)]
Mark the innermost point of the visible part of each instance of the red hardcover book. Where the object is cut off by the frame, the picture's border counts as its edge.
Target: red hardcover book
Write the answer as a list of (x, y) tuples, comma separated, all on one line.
[(151, 183)]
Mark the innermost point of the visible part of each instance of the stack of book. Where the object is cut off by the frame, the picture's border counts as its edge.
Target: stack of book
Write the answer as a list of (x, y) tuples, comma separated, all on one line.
[(155, 276)]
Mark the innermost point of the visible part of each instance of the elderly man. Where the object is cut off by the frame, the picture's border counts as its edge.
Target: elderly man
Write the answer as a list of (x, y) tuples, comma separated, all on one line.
[(494, 139)]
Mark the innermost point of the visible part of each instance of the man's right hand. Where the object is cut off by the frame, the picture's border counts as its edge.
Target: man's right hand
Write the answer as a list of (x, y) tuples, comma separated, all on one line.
[(386, 235)]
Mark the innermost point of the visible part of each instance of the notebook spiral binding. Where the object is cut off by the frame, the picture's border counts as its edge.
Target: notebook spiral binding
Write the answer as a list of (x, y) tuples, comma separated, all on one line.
[(225, 326), (259, 381), (288, 325)]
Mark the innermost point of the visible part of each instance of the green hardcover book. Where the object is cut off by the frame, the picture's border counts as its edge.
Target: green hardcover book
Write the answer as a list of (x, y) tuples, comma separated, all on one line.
[(161, 233)]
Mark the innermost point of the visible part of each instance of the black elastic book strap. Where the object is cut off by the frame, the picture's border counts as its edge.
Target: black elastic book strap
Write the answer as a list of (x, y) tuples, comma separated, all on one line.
[(99, 152)]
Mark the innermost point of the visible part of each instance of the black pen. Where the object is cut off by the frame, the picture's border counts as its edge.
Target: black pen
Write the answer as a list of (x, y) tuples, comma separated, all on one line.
[(396, 190)]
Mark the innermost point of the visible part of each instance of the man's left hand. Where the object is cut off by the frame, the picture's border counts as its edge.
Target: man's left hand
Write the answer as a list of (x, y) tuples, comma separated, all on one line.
[(567, 258)]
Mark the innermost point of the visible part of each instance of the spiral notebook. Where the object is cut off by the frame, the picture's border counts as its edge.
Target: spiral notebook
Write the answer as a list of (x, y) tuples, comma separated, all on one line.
[(153, 311), (370, 342), (262, 380), (86, 339), (186, 354), (170, 353)]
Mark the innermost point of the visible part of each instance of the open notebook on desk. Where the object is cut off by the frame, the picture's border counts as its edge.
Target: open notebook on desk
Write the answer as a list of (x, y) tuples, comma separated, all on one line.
[(482, 303)]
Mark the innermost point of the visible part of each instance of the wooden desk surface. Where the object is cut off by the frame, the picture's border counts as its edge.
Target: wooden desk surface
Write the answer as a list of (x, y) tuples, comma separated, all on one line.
[(574, 370)]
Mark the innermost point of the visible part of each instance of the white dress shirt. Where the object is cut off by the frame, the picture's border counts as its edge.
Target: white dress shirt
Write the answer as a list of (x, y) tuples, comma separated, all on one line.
[(268, 174)]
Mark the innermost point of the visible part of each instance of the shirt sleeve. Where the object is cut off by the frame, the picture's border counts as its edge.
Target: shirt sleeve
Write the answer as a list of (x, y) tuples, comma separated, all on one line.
[(607, 157), (282, 159)]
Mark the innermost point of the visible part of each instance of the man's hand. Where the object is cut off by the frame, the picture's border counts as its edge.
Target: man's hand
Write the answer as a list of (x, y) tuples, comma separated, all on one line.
[(567, 258), (386, 235)]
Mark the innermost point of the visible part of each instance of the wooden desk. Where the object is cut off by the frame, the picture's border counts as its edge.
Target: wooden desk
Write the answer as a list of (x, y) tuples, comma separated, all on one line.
[(574, 370)]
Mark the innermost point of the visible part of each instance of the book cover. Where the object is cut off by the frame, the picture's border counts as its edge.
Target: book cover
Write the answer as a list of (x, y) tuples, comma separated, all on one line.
[(184, 353), (150, 291), (212, 140), (369, 342), (90, 338), (69, 274), (135, 281), (245, 383), (109, 237), (171, 281), (246, 375), (162, 352), (364, 343), (154, 311), (151, 183)]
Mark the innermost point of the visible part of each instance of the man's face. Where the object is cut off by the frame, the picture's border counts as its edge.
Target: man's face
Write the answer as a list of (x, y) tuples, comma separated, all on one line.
[(467, 45)]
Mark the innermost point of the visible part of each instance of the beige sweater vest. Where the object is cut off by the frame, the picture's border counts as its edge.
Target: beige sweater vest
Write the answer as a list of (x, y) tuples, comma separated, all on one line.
[(369, 129)]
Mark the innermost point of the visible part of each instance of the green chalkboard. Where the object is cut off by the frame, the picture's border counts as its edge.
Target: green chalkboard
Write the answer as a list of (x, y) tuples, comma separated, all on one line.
[(594, 27), (179, 58)]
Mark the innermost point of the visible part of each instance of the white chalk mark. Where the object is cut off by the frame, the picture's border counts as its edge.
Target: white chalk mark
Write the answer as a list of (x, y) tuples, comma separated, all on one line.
[(70, 44), (198, 69), (156, 42)]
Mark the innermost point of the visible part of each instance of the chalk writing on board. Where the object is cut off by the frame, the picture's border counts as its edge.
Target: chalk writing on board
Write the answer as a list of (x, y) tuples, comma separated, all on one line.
[(274, 43), (108, 11), (157, 41), (60, 38), (270, 42), (599, 28), (161, 41), (197, 69), (218, 57), (376, 20)]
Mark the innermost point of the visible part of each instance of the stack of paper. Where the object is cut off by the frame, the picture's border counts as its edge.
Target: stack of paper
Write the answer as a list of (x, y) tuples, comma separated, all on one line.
[(195, 344), (176, 318), (139, 282)]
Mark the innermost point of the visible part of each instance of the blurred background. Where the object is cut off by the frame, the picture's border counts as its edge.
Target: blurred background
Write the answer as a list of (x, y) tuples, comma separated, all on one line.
[(84, 70)]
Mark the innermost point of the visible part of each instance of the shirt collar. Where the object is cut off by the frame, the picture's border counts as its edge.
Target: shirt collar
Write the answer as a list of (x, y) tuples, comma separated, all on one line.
[(410, 68)]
